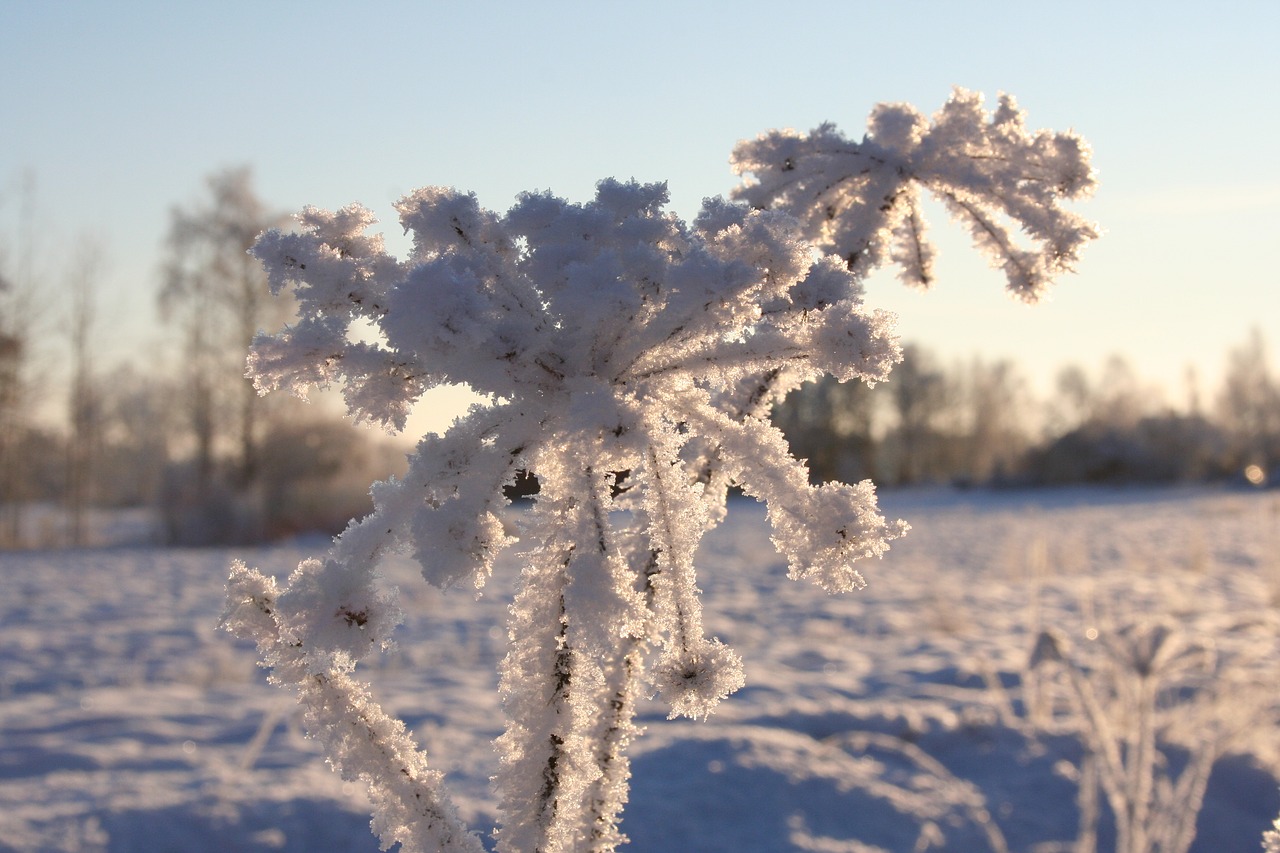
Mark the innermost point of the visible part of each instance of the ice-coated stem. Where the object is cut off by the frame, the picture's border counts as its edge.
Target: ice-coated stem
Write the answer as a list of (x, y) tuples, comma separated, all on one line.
[(564, 767), (363, 743)]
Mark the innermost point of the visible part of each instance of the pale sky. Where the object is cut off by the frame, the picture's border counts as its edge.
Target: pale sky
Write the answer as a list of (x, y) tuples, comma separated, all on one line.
[(119, 110)]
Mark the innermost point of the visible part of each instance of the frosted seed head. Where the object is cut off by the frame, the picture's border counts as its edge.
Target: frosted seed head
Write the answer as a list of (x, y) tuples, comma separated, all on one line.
[(344, 231), (334, 615), (857, 199), (897, 127), (443, 219), (1157, 647), (694, 681), (827, 282)]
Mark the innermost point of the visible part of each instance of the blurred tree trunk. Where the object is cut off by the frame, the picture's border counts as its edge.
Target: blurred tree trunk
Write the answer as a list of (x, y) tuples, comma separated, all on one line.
[(84, 402), (12, 352), (17, 313)]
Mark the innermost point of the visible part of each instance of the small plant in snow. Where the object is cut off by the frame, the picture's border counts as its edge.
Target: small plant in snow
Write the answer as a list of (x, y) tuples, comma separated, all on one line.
[(631, 360), (1152, 686)]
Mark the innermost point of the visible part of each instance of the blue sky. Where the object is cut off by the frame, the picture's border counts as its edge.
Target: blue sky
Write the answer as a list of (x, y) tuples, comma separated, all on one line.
[(119, 110)]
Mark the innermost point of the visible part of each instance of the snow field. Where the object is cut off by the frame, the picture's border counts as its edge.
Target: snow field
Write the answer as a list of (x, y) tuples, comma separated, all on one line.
[(900, 717)]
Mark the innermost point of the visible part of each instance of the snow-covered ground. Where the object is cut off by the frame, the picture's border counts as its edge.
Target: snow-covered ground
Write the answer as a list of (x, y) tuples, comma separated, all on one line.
[(902, 717)]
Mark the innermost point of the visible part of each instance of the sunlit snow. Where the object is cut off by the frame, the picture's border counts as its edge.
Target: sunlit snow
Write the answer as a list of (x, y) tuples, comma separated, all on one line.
[(884, 720)]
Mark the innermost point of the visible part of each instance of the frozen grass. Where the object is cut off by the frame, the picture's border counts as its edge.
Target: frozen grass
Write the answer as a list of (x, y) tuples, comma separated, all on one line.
[(903, 717)]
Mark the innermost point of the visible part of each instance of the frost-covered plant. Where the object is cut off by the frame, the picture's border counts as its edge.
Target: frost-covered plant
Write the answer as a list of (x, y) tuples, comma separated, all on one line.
[(631, 360), (1152, 687)]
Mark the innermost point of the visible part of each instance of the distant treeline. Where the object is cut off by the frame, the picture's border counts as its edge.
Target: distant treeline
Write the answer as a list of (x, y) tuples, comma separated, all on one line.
[(972, 424), (978, 424), (311, 474), (188, 436)]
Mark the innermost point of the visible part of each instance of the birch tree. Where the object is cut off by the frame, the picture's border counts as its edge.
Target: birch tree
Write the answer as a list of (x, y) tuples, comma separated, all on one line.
[(84, 402), (217, 296)]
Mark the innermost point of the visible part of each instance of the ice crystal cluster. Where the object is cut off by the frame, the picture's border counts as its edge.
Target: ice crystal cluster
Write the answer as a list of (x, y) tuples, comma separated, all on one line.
[(631, 360), (861, 200)]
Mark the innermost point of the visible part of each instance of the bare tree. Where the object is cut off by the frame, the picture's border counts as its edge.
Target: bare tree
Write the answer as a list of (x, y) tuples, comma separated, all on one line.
[(1249, 405), (832, 425), (994, 435), (217, 296), (137, 428), (922, 397), (1118, 398), (12, 352), (1122, 399), (17, 311), (1070, 406), (84, 401)]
